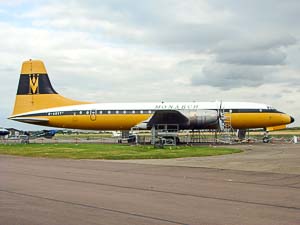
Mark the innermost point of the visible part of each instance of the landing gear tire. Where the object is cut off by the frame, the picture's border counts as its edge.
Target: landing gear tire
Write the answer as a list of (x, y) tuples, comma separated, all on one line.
[(266, 140), (177, 140)]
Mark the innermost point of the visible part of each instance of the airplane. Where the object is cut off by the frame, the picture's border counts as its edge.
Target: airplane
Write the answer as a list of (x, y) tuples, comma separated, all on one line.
[(44, 133), (38, 103), (3, 132)]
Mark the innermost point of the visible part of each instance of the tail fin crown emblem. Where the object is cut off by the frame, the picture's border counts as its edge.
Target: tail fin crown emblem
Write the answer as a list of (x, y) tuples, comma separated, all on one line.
[(33, 83)]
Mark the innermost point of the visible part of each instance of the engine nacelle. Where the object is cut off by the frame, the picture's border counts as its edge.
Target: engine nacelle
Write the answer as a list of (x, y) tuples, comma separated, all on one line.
[(202, 119)]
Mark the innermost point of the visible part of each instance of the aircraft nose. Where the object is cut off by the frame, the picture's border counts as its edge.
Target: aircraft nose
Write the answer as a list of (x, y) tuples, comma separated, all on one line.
[(292, 119)]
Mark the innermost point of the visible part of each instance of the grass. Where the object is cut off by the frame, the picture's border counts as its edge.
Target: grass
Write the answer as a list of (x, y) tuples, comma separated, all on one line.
[(110, 151), (83, 135), (253, 134)]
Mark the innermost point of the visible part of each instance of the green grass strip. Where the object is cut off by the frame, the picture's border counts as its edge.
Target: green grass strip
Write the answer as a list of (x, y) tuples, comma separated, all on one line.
[(110, 151)]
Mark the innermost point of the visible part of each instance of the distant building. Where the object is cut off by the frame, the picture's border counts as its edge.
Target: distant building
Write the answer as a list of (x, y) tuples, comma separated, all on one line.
[(14, 132)]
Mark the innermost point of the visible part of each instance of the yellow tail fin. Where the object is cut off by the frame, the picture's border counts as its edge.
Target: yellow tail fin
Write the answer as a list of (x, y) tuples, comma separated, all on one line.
[(35, 90)]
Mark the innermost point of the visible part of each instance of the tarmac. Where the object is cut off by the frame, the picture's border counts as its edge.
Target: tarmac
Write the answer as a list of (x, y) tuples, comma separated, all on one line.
[(274, 158), (259, 186)]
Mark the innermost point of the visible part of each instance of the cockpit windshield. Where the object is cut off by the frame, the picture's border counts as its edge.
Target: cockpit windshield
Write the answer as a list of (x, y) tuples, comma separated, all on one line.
[(271, 108)]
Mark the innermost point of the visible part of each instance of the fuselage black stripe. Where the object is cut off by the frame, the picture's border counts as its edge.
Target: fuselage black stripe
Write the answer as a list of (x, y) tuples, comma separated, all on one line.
[(132, 112)]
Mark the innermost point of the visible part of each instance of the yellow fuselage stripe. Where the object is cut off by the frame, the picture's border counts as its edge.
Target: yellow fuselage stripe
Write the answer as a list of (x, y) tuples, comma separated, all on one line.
[(126, 122)]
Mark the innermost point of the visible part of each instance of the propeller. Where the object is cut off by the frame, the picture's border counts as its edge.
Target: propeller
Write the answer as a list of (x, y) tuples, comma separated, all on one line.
[(221, 117)]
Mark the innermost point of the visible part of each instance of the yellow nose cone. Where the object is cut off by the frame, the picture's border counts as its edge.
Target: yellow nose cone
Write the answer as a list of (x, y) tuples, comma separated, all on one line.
[(286, 119)]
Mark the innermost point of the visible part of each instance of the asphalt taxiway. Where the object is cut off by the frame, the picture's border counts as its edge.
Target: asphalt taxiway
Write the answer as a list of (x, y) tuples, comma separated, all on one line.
[(217, 191), (275, 158)]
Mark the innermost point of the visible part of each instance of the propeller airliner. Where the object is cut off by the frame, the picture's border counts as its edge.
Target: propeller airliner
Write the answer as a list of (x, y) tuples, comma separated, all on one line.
[(38, 103)]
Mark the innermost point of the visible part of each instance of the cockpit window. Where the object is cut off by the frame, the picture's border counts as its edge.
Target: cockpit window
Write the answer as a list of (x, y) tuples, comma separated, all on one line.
[(271, 108)]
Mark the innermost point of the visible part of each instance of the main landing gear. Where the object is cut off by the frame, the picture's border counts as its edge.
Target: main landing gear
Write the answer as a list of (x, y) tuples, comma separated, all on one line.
[(266, 138)]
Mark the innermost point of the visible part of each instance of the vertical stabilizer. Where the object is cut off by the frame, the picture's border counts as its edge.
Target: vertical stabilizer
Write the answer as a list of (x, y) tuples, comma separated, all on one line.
[(35, 90)]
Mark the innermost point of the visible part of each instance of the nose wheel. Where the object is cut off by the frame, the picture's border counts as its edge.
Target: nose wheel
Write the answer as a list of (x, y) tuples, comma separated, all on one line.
[(266, 139)]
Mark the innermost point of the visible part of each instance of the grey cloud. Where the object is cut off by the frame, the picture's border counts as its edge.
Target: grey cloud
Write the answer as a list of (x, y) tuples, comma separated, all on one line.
[(189, 37), (278, 41), (268, 14), (255, 50), (228, 77), (159, 22), (272, 95), (287, 91), (255, 42), (156, 24), (274, 57), (132, 22), (190, 63)]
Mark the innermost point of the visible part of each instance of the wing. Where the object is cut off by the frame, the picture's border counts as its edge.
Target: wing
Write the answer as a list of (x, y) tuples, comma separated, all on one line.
[(188, 119), (164, 117), (167, 117)]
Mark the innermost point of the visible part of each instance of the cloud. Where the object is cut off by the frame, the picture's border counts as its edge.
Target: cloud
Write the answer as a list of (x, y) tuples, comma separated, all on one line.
[(229, 76), (171, 50), (182, 26), (274, 57), (258, 50)]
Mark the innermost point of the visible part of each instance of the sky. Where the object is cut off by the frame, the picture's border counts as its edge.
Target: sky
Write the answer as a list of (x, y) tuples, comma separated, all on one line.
[(158, 50)]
